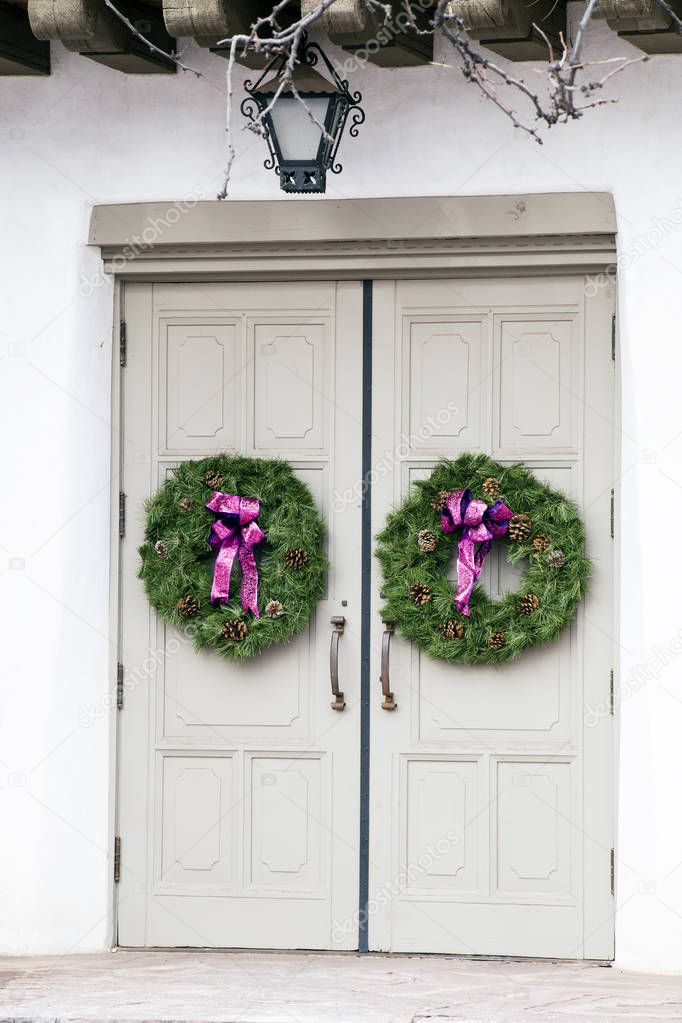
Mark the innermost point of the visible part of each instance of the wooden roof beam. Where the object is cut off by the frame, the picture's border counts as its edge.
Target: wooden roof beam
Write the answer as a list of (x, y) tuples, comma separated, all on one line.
[(643, 23), (88, 27), (506, 26), (20, 52), (367, 36)]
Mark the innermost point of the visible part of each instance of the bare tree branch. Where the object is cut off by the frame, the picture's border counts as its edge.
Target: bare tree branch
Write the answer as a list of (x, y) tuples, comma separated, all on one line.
[(172, 57), (675, 18), (571, 88)]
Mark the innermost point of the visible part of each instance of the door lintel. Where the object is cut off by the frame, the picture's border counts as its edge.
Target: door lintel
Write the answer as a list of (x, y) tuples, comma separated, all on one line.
[(569, 232)]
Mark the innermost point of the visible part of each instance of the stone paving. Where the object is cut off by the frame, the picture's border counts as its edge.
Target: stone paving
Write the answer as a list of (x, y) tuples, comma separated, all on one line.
[(264, 987)]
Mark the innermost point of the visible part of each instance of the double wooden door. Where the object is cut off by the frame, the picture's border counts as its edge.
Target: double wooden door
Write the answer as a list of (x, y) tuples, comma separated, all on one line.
[(246, 817)]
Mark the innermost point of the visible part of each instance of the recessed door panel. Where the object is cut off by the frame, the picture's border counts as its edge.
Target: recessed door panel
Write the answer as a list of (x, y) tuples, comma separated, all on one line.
[(441, 852), (534, 813), (197, 839), (290, 369), (199, 399), (288, 811), (443, 402), (271, 694)]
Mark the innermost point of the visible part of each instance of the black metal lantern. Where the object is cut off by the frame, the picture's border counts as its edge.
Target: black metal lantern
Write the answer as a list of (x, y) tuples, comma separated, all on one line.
[(303, 138)]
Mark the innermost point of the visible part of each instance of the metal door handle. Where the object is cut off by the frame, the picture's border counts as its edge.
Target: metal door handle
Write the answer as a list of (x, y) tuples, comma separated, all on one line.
[(338, 622), (388, 702)]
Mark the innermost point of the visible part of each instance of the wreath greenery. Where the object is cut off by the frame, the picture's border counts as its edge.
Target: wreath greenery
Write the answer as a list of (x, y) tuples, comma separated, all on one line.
[(415, 554), (178, 563)]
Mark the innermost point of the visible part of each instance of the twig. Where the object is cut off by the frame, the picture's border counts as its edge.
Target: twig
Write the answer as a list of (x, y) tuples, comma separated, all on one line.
[(676, 20), (566, 73), (173, 58)]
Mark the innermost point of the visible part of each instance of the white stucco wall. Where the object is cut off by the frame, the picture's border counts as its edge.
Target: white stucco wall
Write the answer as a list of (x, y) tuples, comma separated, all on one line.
[(89, 135)]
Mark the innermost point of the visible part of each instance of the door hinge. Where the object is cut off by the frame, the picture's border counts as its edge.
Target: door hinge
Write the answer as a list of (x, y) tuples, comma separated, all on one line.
[(117, 859), (611, 696), (119, 686), (613, 514), (123, 343), (613, 338), (613, 872), (122, 514)]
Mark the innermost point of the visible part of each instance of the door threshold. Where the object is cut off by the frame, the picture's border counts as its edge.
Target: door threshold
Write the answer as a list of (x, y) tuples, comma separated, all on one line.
[(356, 953)]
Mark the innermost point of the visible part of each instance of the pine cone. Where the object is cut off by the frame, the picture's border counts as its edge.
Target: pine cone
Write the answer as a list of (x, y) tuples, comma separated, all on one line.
[(540, 544), (420, 593), (186, 503), (438, 503), (296, 557), (452, 629), (557, 559), (520, 527), (497, 641), (236, 630), (161, 549), (213, 479), (491, 488), (188, 606), (274, 609), (528, 603), (427, 541)]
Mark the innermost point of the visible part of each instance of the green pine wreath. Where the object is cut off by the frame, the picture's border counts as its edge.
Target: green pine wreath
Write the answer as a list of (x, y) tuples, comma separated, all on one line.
[(178, 563), (414, 555)]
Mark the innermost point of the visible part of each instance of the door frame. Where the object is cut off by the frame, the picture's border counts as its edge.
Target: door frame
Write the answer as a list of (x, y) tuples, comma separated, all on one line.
[(570, 234)]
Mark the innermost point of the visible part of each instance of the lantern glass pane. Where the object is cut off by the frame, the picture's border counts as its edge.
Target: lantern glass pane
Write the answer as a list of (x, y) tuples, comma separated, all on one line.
[(298, 136)]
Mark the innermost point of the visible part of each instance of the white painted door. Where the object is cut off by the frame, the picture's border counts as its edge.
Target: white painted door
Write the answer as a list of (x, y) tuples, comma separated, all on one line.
[(239, 785), (491, 815), (491, 810)]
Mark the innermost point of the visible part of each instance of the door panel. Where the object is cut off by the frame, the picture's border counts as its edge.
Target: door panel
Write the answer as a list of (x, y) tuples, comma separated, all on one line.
[(445, 362), (491, 805), (239, 786), (199, 400), (537, 383)]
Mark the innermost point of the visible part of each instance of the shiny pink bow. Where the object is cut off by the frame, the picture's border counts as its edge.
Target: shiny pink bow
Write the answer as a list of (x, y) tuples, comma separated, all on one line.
[(481, 525), (235, 533)]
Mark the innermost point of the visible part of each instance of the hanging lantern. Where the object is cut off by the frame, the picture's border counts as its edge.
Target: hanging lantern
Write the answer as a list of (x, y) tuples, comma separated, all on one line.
[(303, 137)]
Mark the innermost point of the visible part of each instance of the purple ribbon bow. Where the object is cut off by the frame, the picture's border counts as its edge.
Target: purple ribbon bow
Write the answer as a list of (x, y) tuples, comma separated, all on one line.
[(481, 525), (235, 532)]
